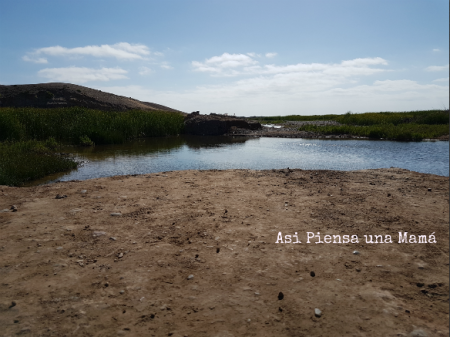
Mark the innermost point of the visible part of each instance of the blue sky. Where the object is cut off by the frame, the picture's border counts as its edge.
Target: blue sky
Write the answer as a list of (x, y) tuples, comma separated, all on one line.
[(239, 57)]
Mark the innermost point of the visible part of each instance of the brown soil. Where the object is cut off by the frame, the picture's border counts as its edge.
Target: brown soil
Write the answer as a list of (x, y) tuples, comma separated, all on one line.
[(70, 268), (57, 95)]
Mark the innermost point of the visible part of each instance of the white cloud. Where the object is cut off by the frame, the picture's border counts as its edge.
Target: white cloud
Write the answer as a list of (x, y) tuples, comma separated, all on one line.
[(437, 68), (165, 65), (35, 59), (243, 65), (436, 50), (270, 55), (144, 71), (217, 64), (244, 99), (121, 51), (445, 79), (82, 75)]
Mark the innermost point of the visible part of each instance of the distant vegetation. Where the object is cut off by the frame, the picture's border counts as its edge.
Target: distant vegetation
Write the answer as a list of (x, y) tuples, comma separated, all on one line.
[(30, 137), (412, 125)]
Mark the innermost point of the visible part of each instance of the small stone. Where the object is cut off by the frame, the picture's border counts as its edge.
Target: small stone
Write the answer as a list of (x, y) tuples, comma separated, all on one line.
[(122, 292), (312, 274), (116, 214), (280, 296), (113, 238), (317, 312), (190, 277), (120, 255), (83, 191), (59, 248), (60, 196), (429, 190), (14, 208), (98, 233), (418, 333), (355, 252)]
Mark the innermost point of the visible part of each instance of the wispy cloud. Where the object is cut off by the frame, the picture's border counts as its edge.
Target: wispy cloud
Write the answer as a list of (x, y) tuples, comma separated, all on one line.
[(437, 68), (34, 59), (445, 79), (82, 75), (270, 55), (244, 65), (217, 64), (166, 65), (120, 51), (144, 71), (436, 50)]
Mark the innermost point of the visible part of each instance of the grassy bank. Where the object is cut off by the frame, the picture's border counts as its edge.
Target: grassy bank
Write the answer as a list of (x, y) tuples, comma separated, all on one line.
[(404, 132), (22, 161), (412, 125), (76, 125), (29, 137)]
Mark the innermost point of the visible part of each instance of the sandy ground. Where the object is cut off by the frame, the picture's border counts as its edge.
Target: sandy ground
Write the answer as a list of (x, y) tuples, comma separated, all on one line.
[(71, 268)]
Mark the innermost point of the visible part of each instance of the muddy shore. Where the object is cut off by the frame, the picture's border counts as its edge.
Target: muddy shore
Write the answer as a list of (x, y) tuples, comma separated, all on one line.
[(194, 253)]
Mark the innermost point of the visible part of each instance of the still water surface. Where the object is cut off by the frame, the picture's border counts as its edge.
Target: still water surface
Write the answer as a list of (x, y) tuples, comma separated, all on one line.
[(204, 153)]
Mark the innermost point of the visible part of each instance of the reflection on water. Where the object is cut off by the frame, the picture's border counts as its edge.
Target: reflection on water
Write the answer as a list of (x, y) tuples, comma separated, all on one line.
[(203, 153)]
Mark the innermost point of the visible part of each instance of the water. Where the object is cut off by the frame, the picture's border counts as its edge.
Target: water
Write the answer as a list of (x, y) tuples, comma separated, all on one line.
[(204, 153)]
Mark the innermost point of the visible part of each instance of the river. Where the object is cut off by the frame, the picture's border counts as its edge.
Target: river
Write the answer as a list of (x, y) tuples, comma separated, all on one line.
[(204, 153)]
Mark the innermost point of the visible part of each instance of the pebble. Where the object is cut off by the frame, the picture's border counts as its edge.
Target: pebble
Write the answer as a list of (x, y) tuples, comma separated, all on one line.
[(120, 255), (113, 238), (60, 196), (418, 333), (116, 214), (122, 291), (190, 277), (98, 233), (59, 248), (429, 190), (83, 191), (317, 312), (355, 252)]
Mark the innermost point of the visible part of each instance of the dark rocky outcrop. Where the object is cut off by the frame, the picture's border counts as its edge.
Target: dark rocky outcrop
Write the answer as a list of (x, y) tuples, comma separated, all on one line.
[(58, 95), (215, 124)]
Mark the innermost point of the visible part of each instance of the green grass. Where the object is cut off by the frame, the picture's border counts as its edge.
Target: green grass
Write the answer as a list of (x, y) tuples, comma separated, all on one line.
[(23, 161), (404, 132), (29, 136), (73, 125), (370, 118), (411, 125)]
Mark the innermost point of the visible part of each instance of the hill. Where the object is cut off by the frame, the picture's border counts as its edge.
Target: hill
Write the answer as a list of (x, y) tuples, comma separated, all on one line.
[(57, 95)]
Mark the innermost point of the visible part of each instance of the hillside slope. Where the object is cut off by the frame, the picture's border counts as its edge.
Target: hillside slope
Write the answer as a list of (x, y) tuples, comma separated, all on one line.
[(52, 95)]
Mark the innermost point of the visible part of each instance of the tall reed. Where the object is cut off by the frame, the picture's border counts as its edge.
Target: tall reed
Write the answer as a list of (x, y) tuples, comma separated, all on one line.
[(69, 125)]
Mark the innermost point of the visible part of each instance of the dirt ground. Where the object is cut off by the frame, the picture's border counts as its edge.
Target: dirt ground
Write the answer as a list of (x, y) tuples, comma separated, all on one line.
[(194, 253)]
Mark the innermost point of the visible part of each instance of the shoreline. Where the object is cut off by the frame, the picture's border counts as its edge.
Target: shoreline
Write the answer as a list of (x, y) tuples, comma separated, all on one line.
[(289, 132), (115, 255)]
